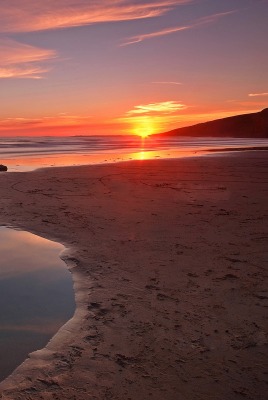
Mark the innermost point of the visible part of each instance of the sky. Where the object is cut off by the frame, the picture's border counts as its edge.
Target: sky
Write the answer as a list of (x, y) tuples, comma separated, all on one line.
[(82, 67)]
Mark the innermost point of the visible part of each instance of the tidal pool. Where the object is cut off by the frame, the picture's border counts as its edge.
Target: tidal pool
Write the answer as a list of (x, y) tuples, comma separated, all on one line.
[(36, 295)]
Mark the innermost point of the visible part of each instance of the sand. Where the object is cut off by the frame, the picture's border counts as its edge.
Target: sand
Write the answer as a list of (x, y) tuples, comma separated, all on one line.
[(169, 261)]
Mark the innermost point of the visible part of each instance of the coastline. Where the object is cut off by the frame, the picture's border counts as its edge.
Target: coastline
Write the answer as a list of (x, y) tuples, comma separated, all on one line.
[(168, 261), (109, 150)]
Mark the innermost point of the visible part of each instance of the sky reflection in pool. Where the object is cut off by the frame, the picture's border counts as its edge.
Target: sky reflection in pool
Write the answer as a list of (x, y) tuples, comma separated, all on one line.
[(36, 295)]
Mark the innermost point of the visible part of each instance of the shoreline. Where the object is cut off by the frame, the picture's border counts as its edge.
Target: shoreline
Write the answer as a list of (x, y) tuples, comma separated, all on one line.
[(239, 149), (37, 295), (28, 163), (150, 320)]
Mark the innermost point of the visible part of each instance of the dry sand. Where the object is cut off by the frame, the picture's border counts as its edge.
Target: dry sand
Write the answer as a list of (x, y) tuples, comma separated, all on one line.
[(169, 259)]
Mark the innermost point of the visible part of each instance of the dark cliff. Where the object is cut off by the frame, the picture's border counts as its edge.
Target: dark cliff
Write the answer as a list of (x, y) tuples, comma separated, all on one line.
[(253, 125)]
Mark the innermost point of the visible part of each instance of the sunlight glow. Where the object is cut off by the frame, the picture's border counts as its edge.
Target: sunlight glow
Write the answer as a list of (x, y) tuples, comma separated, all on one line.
[(144, 126)]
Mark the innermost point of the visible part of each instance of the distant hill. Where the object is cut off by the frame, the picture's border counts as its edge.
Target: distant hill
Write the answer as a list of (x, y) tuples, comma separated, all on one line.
[(253, 125)]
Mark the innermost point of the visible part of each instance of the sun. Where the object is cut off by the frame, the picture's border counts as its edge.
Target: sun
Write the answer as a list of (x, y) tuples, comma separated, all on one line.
[(144, 127)]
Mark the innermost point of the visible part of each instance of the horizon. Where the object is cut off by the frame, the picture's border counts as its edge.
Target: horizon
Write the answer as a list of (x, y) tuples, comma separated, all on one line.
[(85, 69), (122, 134)]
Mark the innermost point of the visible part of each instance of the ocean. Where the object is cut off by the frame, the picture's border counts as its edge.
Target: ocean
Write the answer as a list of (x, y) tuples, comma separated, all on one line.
[(29, 153)]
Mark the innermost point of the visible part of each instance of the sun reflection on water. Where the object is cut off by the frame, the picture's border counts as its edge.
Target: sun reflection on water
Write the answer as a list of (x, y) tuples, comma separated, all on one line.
[(101, 150)]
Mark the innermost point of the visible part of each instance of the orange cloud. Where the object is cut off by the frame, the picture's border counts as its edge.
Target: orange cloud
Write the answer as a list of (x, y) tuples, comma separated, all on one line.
[(165, 107), (34, 15), (19, 60), (147, 119), (163, 32), (258, 94), (46, 122), (61, 124)]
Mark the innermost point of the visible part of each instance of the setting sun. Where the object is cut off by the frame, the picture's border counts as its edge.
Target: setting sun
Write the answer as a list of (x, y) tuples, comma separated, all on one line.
[(144, 126)]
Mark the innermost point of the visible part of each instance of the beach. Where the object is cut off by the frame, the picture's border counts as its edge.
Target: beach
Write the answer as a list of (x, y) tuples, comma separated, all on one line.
[(169, 262)]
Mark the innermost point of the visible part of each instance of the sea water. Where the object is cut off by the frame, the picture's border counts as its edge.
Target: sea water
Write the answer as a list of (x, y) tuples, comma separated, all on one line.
[(36, 295), (28, 153)]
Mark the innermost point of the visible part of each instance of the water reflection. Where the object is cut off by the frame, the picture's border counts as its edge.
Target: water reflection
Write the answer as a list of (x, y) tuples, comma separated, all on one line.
[(31, 163), (25, 154), (36, 295)]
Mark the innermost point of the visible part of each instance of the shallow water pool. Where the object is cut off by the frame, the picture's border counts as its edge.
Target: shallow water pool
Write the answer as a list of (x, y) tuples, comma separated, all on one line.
[(36, 295)]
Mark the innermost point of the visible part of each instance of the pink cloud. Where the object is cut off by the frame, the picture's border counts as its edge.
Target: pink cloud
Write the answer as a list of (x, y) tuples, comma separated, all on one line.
[(34, 15), (22, 72), (20, 60), (167, 31)]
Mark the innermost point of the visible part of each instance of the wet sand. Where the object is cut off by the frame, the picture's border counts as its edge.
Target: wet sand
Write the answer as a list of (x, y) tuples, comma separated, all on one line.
[(169, 260)]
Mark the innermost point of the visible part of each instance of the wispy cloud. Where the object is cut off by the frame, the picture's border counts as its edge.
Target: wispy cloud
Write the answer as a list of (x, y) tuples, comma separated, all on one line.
[(146, 36), (61, 119), (258, 94), (59, 124), (20, 60), (167, 31), (22, 72), (167, 83), (165, 107), (34, 15)]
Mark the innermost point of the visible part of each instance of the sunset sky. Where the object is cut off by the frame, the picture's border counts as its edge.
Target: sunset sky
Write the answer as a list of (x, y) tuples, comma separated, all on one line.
[(85, 67)]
